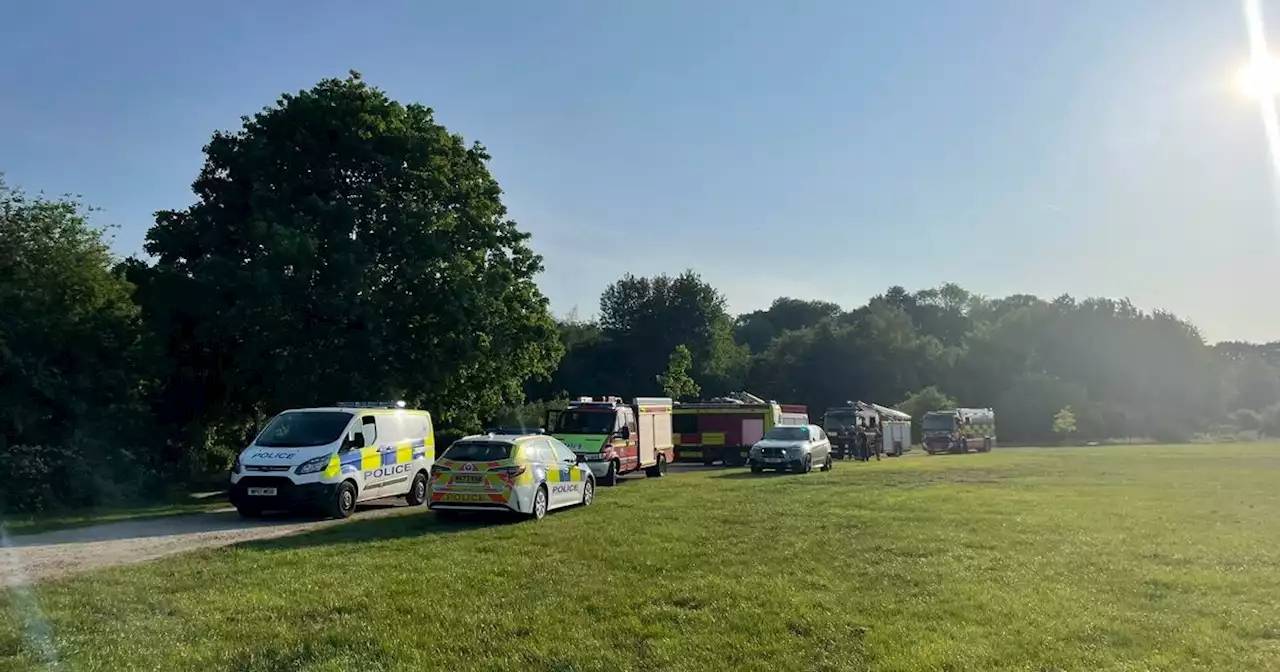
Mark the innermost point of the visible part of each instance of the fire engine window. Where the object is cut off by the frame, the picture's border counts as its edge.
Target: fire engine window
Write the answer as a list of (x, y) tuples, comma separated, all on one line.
[(684, 423)]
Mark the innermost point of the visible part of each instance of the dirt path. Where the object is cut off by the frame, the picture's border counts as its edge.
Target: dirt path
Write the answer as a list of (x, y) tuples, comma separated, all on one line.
[(36, 557)]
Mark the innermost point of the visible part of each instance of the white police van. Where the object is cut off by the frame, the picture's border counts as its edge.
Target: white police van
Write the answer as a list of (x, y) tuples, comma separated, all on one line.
[(328, 459)]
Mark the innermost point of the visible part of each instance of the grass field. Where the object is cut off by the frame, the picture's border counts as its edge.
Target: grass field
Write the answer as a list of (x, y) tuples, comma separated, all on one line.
[(1124, 558)]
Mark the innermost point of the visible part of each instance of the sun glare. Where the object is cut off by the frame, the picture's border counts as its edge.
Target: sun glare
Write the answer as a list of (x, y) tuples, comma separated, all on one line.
[(1260, 78)]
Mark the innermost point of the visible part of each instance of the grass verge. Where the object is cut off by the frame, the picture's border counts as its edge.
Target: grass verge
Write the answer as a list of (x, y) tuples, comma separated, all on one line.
[(1120, 558)]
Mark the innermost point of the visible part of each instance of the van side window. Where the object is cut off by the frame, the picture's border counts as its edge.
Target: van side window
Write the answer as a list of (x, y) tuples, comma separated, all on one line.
[(390, 429), (369, 427)]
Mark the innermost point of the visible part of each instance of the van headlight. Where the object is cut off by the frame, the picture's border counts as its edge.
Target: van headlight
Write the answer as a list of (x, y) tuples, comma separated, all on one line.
[(313, 465)]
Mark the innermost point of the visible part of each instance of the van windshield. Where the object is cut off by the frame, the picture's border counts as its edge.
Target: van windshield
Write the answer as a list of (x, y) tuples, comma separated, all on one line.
[(478, 451), (298, 429)]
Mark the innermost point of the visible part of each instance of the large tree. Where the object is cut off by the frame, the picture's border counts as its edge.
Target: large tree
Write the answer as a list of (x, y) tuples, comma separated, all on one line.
[(71, 373), (646, 318), (344, 245)]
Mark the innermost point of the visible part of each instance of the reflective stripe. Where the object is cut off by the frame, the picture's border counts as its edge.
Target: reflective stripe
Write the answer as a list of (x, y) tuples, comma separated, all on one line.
[(334, 468)]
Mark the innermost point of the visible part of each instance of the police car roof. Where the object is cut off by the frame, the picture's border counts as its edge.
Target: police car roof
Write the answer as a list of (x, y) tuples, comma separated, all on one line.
[(500, 437)]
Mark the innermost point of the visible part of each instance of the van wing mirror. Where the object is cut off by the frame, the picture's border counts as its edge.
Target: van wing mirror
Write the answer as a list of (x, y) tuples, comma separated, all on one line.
[(355, 441)]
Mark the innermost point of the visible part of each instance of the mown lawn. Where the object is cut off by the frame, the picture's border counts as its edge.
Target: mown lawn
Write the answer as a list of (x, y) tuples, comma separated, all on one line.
[(1124, 558)]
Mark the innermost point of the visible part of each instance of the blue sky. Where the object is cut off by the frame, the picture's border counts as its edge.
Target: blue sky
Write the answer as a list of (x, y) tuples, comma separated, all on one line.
[(1093, 147)]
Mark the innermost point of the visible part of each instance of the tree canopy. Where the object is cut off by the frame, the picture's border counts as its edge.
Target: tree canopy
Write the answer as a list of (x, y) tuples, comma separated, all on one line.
[(345, 245)]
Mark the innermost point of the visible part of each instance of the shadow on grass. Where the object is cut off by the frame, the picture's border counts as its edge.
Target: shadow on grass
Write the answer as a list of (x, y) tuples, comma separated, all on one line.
[(749, 475), (418, 524), (181, 505)]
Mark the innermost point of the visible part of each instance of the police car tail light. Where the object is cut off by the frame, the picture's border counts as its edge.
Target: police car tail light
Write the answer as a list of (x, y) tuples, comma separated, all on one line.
[(512, 472)]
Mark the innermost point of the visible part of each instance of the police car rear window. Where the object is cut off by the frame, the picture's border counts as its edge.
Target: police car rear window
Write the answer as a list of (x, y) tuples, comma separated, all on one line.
[(478, 451), (297, 429)]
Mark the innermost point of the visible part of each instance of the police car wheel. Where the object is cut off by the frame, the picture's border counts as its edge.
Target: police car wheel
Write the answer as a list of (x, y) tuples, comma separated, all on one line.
[(588, 492), (344, 501), (418, 491), (539, 510)]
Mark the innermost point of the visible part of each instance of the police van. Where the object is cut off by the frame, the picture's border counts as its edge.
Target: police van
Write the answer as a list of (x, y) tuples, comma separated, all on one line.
[(328, 459)]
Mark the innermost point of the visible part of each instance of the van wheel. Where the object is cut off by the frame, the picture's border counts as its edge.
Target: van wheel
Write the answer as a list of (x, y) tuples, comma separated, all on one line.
[(247, 511), (539, 510), (611, 478), (658, 470), (343, 503), (418, 491)]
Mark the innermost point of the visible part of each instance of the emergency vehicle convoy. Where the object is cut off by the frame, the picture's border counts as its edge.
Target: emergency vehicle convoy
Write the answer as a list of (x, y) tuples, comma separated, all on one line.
[(614, 437), (723, 429), (331, 458), (959, 430), (528, 474), (859, 429)]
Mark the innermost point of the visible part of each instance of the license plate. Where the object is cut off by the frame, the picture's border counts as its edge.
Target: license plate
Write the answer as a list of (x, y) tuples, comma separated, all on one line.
[(262, 492), (773, 459), (458, 497), (468, 478)]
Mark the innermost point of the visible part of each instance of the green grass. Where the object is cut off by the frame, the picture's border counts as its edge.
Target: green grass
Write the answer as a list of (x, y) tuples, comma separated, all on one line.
[(1120, 558), (32, 524)]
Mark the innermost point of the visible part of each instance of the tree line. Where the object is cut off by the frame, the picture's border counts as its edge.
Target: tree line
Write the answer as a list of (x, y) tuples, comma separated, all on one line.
[(342, 245)]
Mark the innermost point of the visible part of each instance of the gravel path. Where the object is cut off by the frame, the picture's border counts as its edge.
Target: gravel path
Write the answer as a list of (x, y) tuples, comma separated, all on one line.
[(36, 557)]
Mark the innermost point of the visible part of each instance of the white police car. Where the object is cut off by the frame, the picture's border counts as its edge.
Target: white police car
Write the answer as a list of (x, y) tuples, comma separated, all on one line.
[(525, 473)]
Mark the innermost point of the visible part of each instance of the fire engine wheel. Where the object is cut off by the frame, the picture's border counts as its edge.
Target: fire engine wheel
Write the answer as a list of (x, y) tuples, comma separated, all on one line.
[(826, 464), (658, 470), (611, 479)]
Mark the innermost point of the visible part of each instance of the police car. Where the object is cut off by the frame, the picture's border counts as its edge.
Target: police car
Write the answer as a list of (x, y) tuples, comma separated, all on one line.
[(529, 474), (331, 458)]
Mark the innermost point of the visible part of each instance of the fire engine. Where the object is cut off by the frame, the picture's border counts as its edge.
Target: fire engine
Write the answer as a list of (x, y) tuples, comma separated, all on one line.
[(724, 428), (615, 437)]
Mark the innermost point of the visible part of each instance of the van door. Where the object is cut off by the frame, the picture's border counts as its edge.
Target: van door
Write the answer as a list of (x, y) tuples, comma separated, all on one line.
[(391, 476)]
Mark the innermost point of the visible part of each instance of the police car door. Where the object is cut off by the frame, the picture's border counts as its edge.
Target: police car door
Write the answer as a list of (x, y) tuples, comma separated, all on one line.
[(565, 462)]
